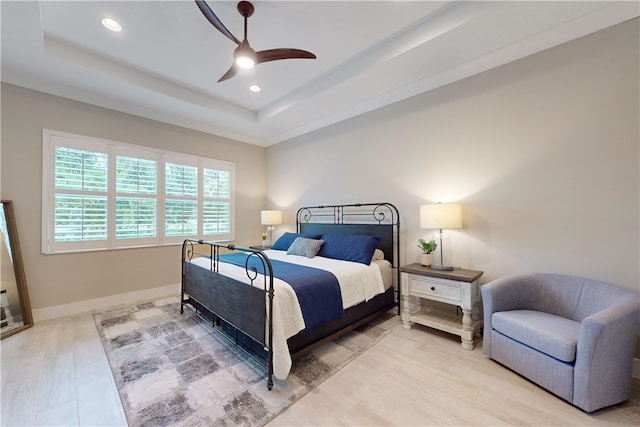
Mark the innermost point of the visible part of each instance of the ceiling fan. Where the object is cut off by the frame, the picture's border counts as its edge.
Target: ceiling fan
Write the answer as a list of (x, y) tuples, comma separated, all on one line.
[(244, 56)]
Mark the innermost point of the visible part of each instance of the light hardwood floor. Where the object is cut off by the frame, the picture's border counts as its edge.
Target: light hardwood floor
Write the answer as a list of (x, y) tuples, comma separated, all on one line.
[(57, 374)]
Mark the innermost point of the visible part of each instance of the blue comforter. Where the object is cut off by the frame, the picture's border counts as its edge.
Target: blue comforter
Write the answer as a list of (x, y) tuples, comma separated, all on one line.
[(317, 290)]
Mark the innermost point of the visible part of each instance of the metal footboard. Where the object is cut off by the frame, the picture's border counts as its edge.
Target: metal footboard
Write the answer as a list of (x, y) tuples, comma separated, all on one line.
[(246, 307)]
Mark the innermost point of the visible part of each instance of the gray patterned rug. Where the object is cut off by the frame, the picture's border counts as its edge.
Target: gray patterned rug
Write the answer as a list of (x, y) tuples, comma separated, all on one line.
[(173, 369)]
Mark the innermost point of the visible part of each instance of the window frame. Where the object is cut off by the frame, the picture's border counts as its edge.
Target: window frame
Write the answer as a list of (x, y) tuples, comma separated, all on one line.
[(51, 139)]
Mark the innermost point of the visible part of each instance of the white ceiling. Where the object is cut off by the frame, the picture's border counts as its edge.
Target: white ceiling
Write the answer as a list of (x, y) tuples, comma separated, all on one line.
[(165, 63)]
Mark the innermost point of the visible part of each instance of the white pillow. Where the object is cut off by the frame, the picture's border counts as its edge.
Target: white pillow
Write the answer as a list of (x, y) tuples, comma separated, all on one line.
[(305, 247), (377, 255)]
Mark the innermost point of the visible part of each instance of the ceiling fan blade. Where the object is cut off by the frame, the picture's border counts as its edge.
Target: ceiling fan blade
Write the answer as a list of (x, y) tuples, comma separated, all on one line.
[(277, 54), (230, 73), (215, 21)]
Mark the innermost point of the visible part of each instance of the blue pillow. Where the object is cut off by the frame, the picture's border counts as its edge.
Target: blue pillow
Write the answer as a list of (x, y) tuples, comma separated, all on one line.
[(283, 243), (349, 247)]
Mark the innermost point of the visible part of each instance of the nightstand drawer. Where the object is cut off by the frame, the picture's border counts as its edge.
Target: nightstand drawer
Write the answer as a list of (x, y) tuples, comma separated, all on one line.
[(434, 288)]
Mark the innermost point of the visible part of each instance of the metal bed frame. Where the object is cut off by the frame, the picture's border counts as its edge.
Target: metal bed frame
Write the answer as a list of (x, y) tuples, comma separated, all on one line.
[(225, 302)]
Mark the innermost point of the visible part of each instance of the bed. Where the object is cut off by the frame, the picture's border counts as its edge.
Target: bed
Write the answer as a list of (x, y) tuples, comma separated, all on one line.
[(338, 271)]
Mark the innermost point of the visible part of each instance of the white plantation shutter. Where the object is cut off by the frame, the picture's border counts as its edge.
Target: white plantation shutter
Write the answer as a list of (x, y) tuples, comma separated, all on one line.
[(134, 175), (181, 218), (82, 170), (80, 218), (136, 197), (181, 180), (216, 202), (80, 187), (101, 194), (135, 218), (181, 192)]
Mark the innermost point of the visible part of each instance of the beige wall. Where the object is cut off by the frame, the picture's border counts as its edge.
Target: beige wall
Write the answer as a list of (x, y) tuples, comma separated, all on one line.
[(542, 153), (62, 279)]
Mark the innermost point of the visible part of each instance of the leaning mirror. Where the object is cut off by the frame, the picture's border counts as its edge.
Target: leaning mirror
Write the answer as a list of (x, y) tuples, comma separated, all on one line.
[(15, 309)]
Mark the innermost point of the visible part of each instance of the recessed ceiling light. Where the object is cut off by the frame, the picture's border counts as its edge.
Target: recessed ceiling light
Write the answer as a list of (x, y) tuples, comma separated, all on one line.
[(255, 88), (111, 24)]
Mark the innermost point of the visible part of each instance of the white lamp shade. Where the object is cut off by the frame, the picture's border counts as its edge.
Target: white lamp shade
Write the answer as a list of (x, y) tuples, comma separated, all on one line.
[(271, 217), (441, 215)]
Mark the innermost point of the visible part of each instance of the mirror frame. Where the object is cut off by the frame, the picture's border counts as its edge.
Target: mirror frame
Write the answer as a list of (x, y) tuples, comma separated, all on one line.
[(18, 268)]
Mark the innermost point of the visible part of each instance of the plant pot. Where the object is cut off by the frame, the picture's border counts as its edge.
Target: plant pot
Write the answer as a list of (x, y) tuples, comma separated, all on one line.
[(426, 259)]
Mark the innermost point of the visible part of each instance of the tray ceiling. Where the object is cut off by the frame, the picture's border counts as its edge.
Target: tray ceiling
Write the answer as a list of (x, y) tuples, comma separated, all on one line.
[(165, 63)]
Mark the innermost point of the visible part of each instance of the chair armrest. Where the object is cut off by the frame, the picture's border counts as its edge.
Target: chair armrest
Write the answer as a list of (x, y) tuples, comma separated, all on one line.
[(506, 293), (604, 357)]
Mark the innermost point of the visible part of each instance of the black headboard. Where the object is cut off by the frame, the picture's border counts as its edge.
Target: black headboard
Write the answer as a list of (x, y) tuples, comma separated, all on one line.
[(371, 219)]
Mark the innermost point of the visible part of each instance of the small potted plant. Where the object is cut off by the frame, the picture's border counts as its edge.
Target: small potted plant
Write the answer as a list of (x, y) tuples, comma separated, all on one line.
[(427, 248)]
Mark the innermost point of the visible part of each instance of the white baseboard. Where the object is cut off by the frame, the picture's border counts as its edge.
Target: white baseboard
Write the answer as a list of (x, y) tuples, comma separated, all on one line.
[(636, 368), (46, 313)]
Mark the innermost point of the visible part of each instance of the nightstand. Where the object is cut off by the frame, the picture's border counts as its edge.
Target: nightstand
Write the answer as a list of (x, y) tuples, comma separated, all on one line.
[(260, 247), (458, 287)]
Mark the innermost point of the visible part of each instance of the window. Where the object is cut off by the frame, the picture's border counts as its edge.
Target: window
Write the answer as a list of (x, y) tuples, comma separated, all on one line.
[(100, 195)]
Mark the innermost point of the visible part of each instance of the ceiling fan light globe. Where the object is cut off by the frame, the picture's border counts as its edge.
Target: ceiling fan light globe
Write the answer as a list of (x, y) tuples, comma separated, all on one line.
[(244, 56), (245, 62)]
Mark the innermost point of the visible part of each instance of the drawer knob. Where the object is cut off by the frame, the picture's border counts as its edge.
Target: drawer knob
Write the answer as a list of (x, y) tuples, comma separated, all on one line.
[(433, 288)]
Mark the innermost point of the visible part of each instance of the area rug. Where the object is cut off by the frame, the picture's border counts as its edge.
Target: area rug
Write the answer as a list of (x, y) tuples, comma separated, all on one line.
[(174, 369)]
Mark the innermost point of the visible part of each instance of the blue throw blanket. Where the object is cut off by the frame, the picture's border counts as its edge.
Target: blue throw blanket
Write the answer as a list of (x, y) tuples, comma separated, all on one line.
[(317, 290)]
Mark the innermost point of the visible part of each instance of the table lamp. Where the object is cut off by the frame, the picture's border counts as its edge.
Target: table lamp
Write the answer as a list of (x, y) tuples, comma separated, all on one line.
[(441, 216), (271, 218)]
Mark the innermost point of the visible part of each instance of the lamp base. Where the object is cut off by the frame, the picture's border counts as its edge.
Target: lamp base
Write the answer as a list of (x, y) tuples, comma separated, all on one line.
[(270, 234), (442, 267)]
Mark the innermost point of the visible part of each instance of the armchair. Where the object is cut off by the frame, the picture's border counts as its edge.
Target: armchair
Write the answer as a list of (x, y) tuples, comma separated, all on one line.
[(573, 336)]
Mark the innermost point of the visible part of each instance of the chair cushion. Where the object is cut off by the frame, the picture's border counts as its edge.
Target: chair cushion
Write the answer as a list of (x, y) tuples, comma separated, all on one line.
[(547, 333)]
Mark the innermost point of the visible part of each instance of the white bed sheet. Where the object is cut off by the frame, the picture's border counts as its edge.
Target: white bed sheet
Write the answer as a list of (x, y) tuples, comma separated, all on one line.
[(358, 282)]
